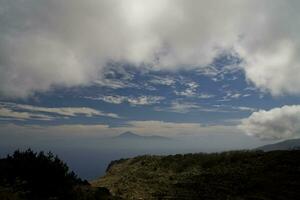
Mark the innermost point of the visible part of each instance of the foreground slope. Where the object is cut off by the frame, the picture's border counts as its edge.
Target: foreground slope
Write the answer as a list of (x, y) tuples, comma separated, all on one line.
[(230, 175)]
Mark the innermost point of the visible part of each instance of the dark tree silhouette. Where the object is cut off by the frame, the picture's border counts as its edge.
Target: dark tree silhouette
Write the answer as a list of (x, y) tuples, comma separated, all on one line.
[(40, 176)]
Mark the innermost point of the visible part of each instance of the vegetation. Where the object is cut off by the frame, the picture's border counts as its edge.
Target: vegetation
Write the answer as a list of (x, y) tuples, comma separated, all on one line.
[(38, 176), (237, 175)]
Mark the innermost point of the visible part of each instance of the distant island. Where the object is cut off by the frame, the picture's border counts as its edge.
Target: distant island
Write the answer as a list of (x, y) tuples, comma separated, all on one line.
[(131, 135), (284, 145)]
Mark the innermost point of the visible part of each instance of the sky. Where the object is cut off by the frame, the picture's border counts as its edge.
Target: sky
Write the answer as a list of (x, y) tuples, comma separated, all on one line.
[(226, 73)]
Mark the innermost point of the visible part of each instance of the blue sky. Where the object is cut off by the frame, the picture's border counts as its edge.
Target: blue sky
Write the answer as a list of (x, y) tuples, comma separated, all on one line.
[(218, 94)]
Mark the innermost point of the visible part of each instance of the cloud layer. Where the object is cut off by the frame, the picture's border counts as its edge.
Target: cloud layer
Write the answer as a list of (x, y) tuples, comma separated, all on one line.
[(135, 101), (29, 112), (67, 43), (146, 128), (278, 123)]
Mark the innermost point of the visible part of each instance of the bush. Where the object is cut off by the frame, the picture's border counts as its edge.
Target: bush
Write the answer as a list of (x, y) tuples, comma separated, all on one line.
[(41, 176)]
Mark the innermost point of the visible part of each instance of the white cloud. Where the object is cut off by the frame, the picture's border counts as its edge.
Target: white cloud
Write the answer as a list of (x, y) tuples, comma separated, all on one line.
[(116, 83), (230, 95), (209, 71), (245, 108), (186, 107), (236, 95), (221, 73), (277, 123), (180, 107), (229, 108), (69, 111), (6, 113), (157, 80), (141, 100), (176, 129), (116, 99), (205, 96), (144, 100), (189, 91), (67, 43), (23, 112)]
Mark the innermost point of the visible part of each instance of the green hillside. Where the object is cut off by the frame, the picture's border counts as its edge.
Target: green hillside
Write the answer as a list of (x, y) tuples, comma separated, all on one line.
[(237, 175)]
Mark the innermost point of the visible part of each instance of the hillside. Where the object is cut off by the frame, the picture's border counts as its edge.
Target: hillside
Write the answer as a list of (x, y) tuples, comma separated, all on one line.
[(235, 175), (284, 145)]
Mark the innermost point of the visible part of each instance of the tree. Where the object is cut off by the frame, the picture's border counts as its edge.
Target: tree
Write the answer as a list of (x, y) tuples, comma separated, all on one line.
[(37, 175)]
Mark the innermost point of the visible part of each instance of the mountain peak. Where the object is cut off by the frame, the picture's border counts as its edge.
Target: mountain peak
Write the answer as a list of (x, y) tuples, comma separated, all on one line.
[(129, 134)]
